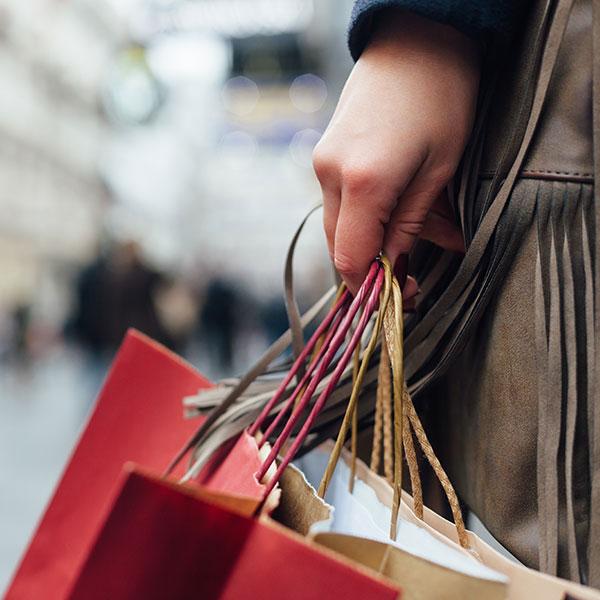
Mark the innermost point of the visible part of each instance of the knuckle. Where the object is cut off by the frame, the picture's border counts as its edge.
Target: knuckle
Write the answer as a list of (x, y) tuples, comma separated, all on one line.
[(323, 163), (359, 178), (410, 221), (410, 228)]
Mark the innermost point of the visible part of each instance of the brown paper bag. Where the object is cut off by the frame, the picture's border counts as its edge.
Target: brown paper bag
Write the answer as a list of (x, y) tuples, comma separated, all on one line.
[(420, 579), (525, 583), (299, 506)]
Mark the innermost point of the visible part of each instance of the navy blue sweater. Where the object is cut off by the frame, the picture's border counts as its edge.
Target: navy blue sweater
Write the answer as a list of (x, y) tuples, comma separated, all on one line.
[(481, 19)]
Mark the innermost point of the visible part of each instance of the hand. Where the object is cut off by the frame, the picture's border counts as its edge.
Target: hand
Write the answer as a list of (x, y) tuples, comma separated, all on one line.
[(394, 142)]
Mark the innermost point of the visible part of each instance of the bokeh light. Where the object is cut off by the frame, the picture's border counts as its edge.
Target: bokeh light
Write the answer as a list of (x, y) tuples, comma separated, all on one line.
[(308, 93), (189, 57), (240, 95)]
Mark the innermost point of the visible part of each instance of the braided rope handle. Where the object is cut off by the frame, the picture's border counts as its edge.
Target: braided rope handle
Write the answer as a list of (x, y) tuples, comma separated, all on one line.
[(375, 461), (396, 419), (413, 465), (421, 436), (382, 431)]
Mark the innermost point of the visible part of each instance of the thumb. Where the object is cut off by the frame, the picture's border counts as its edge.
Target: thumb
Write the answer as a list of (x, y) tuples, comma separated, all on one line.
[(406, 223), (441, 226)]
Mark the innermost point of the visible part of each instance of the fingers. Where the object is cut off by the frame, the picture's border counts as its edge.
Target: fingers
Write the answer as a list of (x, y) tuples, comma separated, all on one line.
[(443, 232), (326, 173), (358, 237), (410, 289), (352, 221), (408, 219), (331, 210), (406, 223), (358, 202)]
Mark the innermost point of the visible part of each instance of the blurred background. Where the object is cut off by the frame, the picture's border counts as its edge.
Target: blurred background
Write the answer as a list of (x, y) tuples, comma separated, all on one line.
[(155, 160)]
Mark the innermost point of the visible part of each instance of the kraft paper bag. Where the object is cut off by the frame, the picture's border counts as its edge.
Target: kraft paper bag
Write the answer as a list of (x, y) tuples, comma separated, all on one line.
[(419, 562), (523, 583), (420, 579), (299, 507)]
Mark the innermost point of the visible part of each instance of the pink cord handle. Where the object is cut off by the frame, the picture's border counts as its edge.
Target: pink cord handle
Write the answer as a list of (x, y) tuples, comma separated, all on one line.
[(370, 308), (337, 341), (298, 389), (300, 360)]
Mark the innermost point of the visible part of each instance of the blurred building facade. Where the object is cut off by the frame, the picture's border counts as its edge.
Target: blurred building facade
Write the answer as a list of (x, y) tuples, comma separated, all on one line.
[(183, 129), (180, 128), (53, 58), (186, 125)]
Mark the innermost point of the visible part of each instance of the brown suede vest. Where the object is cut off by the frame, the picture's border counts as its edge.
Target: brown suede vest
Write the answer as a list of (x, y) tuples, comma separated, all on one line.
[(517, 405)]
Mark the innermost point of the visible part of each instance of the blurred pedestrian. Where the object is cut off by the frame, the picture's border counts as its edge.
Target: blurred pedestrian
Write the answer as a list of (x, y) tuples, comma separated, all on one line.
[(218, 323), (116, 291)]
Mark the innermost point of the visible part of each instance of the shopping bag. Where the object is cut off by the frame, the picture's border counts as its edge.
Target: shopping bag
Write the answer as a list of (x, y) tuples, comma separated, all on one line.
[(137, 417), (523, 583), (451, 574), (420, 579), (166, 540), (324, 345), (233, 470), (337, 337), (422, 565), (299, 506), (360, 518)]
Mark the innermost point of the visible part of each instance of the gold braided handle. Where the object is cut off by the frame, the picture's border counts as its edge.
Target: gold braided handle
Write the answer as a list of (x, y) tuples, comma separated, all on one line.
[(396, 420)]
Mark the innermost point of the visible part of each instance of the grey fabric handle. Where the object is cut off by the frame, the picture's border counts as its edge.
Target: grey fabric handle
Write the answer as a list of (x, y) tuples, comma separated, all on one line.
[(291, 304), (293, 335), (258, 368)]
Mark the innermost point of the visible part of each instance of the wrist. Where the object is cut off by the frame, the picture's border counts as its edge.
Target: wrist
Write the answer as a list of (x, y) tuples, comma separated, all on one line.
[(405, 36)]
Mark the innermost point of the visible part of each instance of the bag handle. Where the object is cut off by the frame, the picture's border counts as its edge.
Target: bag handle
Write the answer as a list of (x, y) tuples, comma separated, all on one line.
[(333, 317), (390, 322), (293, 335), (368, 292), (291, 305)]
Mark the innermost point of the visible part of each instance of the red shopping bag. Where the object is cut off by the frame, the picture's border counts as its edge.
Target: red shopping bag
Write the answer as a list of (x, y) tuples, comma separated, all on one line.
[(233, 469), (137, 417), (165, 540)]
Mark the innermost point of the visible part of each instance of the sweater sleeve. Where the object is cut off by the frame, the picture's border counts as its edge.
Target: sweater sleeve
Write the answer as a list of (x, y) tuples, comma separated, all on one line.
[(480, 19)]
